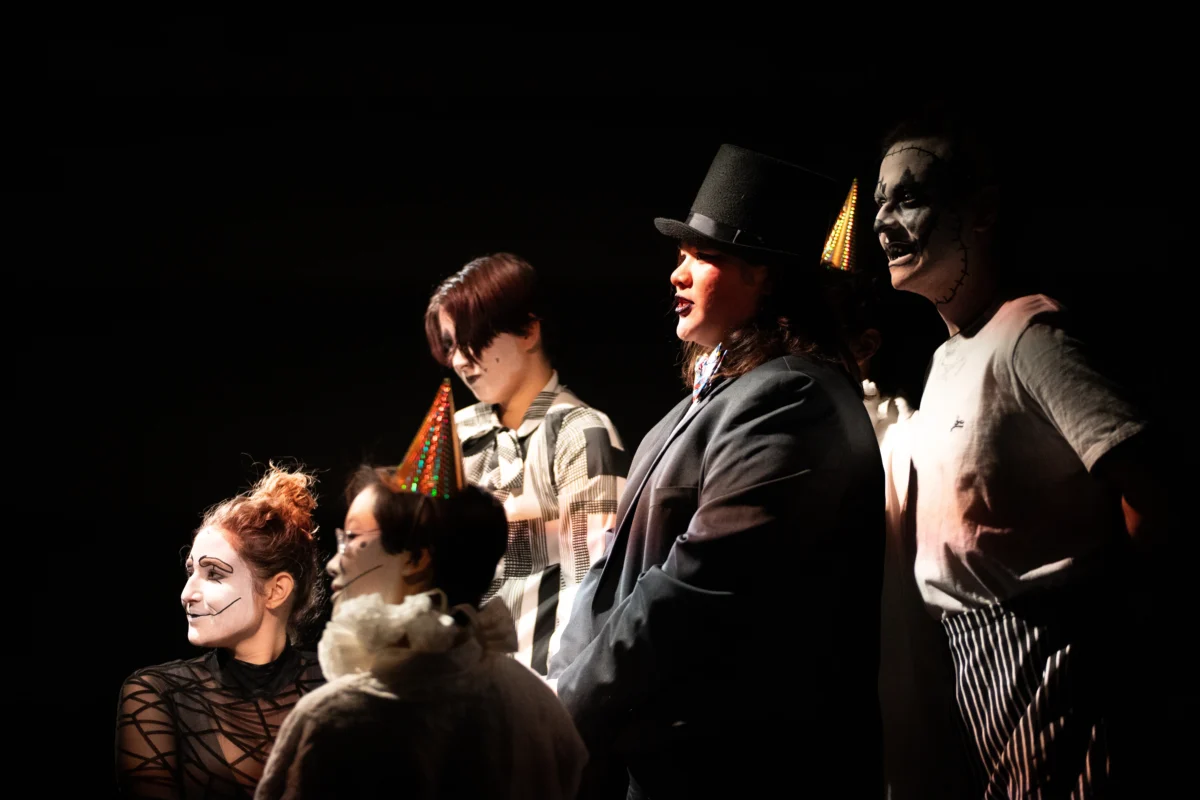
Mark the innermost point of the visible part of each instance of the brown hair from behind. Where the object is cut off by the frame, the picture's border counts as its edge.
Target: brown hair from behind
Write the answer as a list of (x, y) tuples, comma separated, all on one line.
[(491, 295), (273, 529)]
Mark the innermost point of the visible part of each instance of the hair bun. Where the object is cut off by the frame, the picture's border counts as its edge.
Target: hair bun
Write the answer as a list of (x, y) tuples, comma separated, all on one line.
[(289, 494)]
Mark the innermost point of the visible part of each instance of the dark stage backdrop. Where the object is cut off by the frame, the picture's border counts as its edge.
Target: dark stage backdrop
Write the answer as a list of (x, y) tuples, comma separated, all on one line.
[(223, 239)]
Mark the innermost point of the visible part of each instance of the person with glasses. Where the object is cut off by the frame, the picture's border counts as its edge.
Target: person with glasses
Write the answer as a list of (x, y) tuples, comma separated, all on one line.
[(203, 727), (423, 699)]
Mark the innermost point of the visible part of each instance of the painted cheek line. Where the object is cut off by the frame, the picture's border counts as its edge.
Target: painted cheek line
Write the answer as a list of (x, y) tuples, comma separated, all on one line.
[(359, 575), (215, 613)]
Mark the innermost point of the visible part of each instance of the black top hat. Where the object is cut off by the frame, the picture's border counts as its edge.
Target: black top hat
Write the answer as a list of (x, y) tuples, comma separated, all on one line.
[(751, 203)]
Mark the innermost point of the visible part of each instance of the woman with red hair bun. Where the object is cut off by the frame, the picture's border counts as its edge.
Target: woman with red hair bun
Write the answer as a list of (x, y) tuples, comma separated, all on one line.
[(203, 727)]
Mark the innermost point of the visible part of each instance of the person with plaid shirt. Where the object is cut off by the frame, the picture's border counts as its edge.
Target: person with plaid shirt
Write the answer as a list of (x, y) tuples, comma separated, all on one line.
[(556, 464)]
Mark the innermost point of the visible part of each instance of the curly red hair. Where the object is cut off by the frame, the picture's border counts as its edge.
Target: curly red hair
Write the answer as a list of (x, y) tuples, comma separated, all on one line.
[(273, 529)]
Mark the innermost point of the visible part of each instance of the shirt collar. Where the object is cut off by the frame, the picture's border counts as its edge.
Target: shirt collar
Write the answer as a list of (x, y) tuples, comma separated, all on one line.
[(706, 367), (486, 418)]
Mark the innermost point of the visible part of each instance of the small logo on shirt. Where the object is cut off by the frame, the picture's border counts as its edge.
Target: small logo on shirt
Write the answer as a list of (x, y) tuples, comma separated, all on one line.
[(958, 423)]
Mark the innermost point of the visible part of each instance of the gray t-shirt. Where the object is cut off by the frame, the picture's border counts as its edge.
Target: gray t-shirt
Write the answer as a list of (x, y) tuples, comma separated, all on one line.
[(1012, 419)]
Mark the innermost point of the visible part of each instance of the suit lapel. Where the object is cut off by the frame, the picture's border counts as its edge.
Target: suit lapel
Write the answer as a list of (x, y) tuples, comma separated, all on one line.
[(637, 482)]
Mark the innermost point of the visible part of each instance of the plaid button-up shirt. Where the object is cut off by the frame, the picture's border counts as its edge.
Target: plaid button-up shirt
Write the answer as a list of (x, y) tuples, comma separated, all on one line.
[(559, 476)]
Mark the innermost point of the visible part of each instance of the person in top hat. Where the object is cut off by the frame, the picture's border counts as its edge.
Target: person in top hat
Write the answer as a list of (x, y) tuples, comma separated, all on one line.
[(728, 639), (423, 699)]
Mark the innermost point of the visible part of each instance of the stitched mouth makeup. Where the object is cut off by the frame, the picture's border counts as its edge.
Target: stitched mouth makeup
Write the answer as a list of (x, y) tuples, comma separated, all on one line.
[(218, 581), (336, 588), (211, 613)]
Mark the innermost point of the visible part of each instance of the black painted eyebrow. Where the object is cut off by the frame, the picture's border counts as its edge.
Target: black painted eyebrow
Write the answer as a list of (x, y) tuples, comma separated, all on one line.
[(211, 561)]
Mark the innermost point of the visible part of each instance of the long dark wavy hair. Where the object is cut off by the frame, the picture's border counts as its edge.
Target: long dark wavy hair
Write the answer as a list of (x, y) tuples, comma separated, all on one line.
[(795, 316)]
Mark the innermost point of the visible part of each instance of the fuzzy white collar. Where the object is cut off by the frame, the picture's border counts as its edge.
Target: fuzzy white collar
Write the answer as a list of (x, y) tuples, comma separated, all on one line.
[(363, 626)]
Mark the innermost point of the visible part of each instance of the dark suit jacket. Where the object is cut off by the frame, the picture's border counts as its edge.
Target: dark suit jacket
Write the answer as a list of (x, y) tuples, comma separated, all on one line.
[(730, 634)]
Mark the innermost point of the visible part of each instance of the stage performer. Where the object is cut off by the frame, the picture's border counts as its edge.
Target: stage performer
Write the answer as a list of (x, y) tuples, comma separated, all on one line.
[(423, 700), (727, 642), (203, 727), (556, 464), (1035, 502)]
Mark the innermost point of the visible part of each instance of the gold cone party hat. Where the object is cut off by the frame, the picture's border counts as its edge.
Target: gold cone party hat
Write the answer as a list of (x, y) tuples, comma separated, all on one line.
[(433, 464), (839, 247)]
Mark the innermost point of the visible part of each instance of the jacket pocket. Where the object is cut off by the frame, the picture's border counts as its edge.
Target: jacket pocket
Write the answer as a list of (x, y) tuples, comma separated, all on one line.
[(670, 511)]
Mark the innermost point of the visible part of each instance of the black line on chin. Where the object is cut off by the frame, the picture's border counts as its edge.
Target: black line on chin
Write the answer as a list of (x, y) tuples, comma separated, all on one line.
[(359, 575)]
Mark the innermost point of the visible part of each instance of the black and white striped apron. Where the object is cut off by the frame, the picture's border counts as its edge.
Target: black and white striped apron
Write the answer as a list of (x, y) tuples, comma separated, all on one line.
[(1032, 698)]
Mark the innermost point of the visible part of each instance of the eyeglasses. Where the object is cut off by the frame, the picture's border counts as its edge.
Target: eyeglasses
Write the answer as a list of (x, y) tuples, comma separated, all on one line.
[(344, 537)]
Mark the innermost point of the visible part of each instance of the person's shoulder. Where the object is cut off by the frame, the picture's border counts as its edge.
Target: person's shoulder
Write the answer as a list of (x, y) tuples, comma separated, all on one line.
[(347, 692), (526, 688), (569, 404), (573, 415), (582, 417), (472, 413), (311, 676), (1018, 314), (171, 675), (791, 375)]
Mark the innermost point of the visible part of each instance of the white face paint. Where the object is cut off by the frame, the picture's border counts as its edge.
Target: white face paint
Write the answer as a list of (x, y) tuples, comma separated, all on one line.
[(925, 237), (361, 565), (501, 368), (222, 605)]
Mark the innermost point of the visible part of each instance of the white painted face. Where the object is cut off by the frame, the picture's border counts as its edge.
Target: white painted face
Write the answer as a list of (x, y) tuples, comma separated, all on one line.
[(501, 367), (362, 566), (926, 238), (222, 605)]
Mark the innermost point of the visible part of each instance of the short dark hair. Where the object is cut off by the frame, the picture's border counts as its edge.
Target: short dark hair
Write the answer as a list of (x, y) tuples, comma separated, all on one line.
[(856, 298), (969, 133), (494, 294), (465, 535), (974, 162), (860, 299)]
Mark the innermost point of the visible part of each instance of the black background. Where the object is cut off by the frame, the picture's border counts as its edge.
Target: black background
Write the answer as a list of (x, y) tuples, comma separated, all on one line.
[(222, 236)]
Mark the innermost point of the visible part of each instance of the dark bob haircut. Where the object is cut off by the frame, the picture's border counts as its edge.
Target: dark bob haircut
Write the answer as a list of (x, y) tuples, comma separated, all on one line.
[(495, 294), (465, 535)]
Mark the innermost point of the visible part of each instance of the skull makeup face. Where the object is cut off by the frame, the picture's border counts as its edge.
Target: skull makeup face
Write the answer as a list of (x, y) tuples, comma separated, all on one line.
[(920, 227)]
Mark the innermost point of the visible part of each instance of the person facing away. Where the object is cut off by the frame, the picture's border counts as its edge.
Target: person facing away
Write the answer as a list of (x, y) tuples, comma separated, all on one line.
[(204, 726), (924, 753), (727, 642), (1034, 498), (556, 464), (424, 699)]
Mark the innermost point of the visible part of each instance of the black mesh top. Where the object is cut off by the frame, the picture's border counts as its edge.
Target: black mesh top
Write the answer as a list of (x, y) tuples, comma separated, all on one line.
[(203, 728)]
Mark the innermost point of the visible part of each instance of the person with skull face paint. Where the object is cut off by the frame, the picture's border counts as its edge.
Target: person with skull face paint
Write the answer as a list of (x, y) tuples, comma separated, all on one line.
[(556, 464), (750, 509), (203, 727), (423, 699), (1032, 493)]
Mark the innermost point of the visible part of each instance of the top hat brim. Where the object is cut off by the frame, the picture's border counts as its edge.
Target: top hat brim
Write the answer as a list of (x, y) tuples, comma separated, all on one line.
[(681, 231)]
